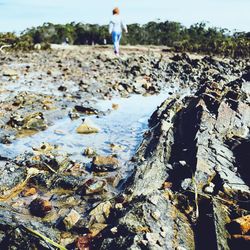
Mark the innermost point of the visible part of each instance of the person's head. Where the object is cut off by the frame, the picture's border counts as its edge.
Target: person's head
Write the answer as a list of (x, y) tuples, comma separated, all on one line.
[(116, 11)]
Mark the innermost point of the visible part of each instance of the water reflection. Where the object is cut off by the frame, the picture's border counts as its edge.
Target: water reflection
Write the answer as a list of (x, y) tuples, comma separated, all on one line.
[(124, 126)]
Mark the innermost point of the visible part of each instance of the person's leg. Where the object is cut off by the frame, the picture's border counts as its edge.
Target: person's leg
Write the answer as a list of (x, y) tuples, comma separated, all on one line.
[(114, 38), (119, 36)]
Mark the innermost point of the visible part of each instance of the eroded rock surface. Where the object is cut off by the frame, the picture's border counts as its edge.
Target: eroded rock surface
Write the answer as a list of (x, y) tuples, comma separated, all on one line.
[(200, 140), (189, 182)]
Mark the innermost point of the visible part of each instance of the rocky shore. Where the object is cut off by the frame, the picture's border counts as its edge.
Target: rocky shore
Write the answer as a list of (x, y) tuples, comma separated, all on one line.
[(187, 184)]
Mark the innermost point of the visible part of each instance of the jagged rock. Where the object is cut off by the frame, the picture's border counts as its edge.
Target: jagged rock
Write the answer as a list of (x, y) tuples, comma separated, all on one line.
[(34, 121), (187, 184), (246, 76), (209, 189), (17, 235), (67, 182), (16, 120), (101, 213), (10, 176), (240, 225), (188, 178), (87, 127), (62, 88), (92, 186), (73, 115), (240, 242), (71, 219), (89, 152), (86, 110), (104, 163), (96, 228), (221, 219), (187, 145), (141, 220)]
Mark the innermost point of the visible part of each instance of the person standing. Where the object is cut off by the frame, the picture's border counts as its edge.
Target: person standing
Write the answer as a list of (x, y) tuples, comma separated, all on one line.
[(116, 26)]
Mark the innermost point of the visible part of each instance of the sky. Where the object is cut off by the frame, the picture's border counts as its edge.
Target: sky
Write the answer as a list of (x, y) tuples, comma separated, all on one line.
[(17, 15)]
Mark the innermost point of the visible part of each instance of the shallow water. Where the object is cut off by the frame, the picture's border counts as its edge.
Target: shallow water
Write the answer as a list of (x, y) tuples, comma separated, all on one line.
[(124, 127), (31, 84)]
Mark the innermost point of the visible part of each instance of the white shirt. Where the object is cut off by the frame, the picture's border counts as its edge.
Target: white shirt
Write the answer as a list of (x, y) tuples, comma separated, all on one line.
[(116, 24)]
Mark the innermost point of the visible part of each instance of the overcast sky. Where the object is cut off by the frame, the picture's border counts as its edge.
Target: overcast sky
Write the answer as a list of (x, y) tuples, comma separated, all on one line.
[(16, 15)]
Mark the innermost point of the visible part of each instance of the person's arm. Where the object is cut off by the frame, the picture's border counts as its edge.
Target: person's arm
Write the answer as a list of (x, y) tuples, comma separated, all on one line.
[(124, 26), (111, 24)]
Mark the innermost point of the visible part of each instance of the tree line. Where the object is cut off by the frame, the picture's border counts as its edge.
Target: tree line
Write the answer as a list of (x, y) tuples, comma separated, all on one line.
[(197, 38)]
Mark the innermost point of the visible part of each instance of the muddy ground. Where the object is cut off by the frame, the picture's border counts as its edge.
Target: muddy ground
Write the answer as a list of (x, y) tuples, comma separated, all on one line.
[(178, 182)]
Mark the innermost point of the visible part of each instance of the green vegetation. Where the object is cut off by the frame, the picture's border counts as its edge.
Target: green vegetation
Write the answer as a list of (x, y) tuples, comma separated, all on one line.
[(197, 38), (23, 42)]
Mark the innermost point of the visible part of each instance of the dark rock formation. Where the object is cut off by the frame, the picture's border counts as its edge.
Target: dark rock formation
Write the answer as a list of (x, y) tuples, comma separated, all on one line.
[(190, 176), (190, 180)]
